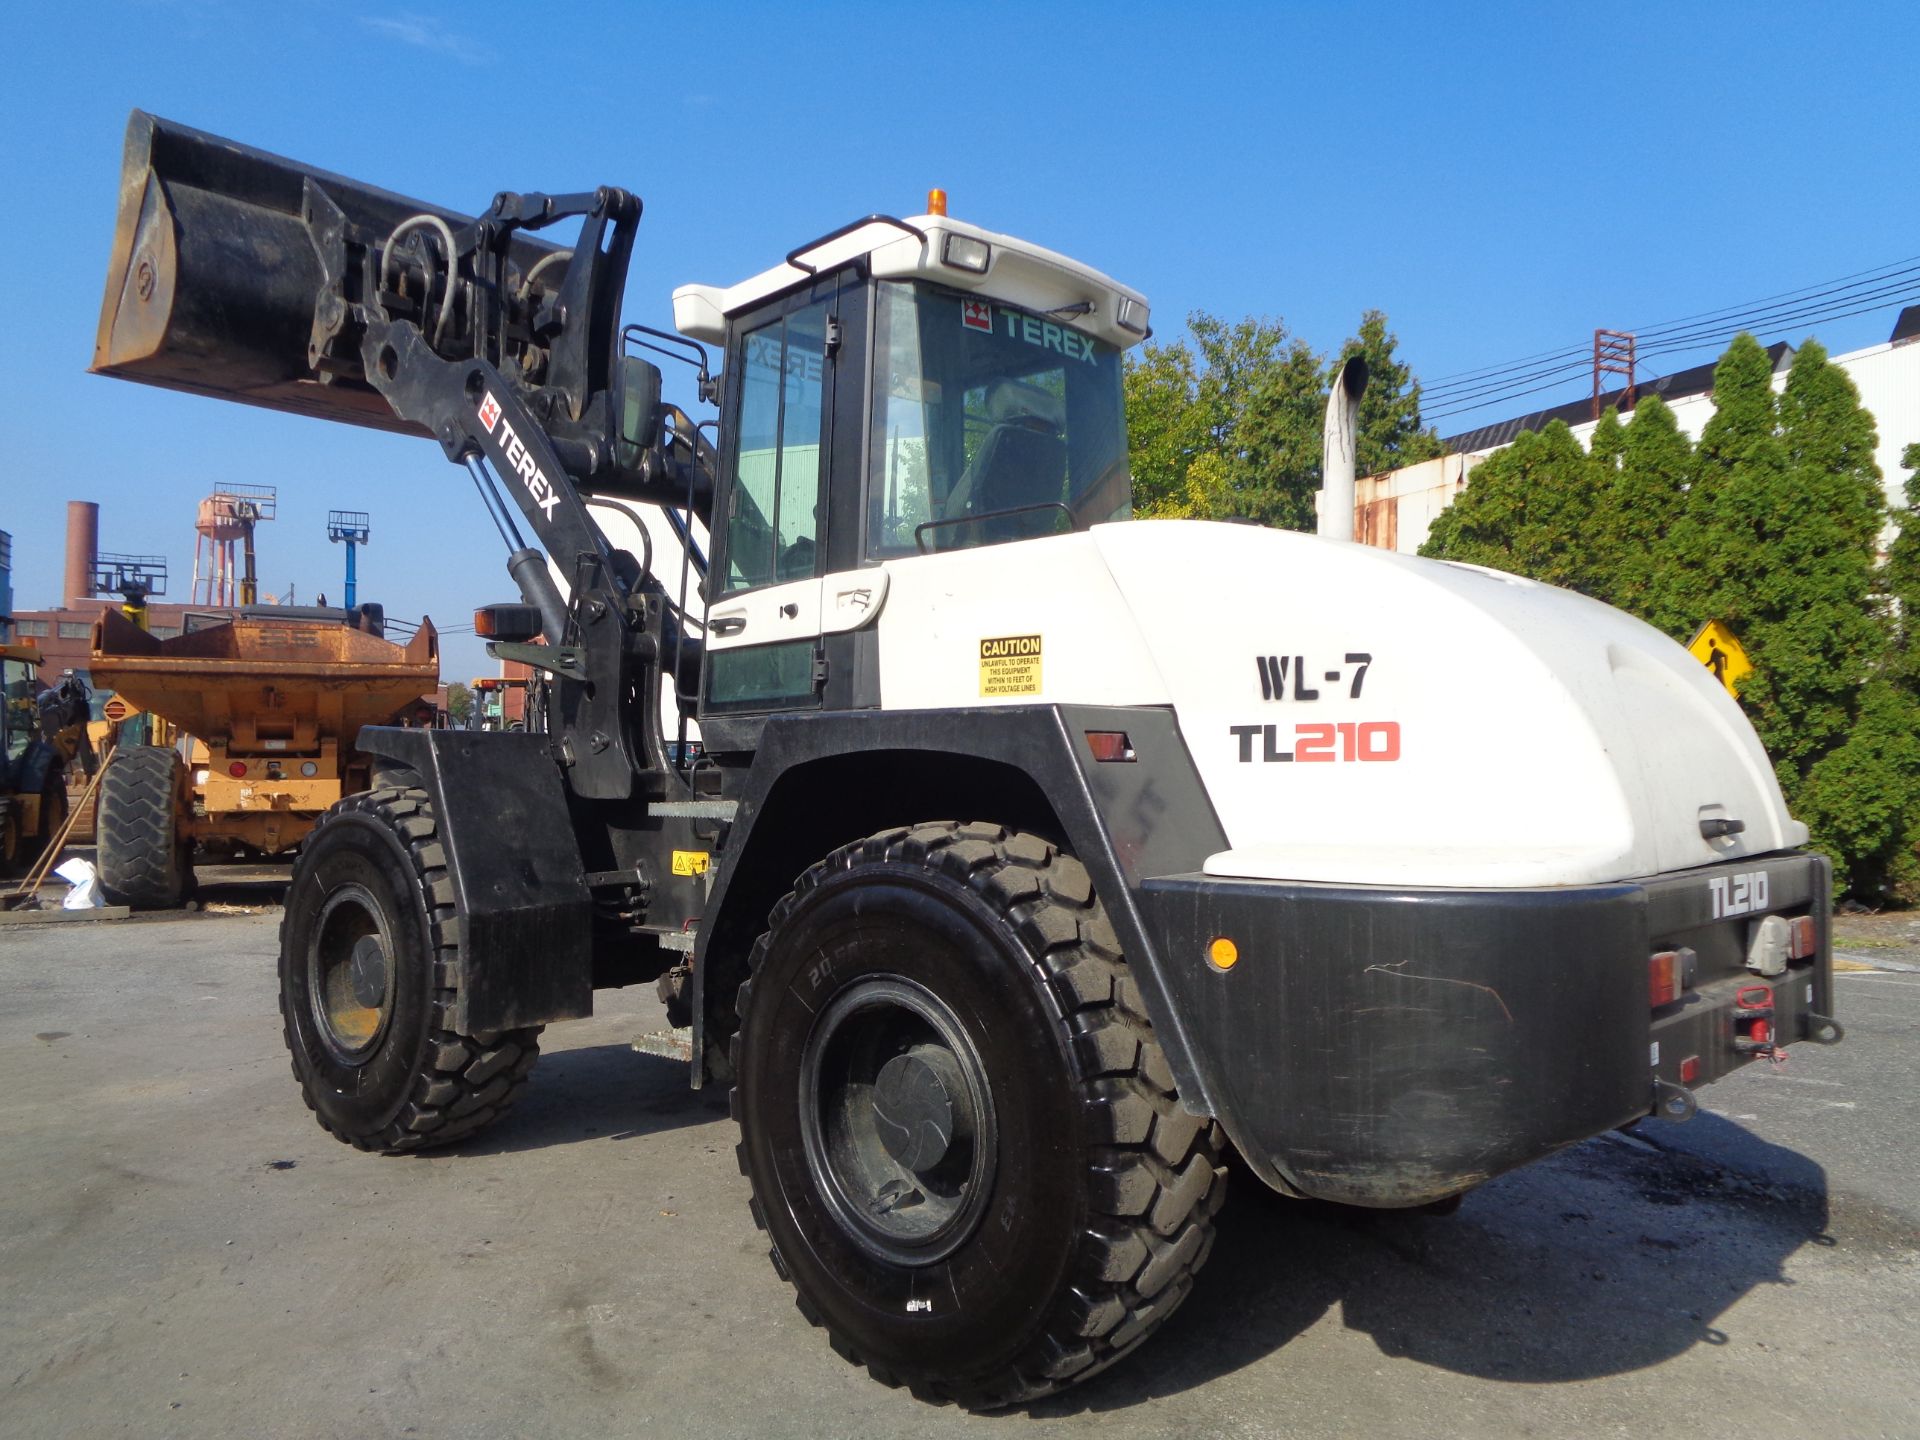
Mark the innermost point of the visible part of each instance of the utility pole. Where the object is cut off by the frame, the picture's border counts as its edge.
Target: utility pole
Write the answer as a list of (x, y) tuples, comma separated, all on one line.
[(1612, 355)]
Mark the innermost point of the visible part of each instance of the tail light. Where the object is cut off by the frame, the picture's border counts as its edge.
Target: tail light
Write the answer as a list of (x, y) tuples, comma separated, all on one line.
[(1670, 974), (1803, 938), (237, 769), (1110, 745)]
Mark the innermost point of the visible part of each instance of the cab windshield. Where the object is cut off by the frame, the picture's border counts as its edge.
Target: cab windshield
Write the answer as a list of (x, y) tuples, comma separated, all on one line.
[(990, 423)]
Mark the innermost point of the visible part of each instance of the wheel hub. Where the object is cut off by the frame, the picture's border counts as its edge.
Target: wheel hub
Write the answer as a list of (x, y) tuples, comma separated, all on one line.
[(350, 974), (368, 968), (913, 1106), (898, 1121)]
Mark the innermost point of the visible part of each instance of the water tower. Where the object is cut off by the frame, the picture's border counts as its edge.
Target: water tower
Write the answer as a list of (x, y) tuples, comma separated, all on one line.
[(227, 517), (351, 528)]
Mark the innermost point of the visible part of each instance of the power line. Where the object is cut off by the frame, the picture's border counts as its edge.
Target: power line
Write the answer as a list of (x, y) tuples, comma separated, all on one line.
[(1845, 302), (1890, 286), (1730, 319)]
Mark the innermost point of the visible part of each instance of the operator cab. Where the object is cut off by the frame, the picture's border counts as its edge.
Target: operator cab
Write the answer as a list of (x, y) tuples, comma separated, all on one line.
[(996, 412)]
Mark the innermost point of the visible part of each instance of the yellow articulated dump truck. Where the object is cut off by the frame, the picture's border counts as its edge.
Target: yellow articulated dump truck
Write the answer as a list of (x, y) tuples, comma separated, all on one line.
[(275, 703)]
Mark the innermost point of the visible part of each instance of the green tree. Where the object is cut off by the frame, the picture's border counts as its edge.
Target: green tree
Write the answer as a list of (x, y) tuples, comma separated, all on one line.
[(1900, 580), (1645, 500), (1530, 509), (1166, 428), (1390, 430), (1786, 509), (1253, 395), (1862, 799), (459, 703)]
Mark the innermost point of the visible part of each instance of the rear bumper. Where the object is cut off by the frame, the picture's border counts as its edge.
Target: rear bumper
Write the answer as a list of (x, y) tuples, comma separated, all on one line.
[(1390, 1048)]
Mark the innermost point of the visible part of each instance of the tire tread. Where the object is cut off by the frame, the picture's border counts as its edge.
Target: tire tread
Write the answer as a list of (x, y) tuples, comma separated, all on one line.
[(464, 1082), (1155, 1178)]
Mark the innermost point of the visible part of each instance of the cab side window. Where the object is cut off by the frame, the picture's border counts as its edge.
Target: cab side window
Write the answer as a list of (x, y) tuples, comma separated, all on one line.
[(773, 526)]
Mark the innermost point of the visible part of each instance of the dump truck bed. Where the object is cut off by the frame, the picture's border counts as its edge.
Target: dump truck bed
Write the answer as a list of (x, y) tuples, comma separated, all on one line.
[(257, 680)]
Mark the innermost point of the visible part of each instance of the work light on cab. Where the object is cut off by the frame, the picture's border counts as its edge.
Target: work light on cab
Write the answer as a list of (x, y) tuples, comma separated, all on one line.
[(963, 252)]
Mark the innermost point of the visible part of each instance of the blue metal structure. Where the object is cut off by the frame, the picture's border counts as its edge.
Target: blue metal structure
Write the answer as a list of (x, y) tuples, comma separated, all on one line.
[(351, 528)]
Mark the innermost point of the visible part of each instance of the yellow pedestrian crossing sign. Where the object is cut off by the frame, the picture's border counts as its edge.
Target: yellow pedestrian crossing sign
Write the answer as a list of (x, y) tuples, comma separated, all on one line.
[(1715, 647)]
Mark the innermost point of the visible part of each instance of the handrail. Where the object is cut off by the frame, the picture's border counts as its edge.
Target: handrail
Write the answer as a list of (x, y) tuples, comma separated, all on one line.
[(793, 255)]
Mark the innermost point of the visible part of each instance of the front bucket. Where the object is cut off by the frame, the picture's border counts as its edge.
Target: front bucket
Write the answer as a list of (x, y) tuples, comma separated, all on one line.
[(214, 277)]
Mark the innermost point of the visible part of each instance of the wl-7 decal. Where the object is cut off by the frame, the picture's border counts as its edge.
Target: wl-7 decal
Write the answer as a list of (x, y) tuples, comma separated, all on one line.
[(1275, 671)]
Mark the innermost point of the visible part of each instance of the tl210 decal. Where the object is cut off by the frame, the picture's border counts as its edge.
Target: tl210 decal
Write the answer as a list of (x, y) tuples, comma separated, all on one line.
[(1369, 740), (1738, 894)]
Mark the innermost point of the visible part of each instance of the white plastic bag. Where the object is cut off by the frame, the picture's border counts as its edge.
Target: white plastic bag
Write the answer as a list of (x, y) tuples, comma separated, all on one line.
[(85, 883)]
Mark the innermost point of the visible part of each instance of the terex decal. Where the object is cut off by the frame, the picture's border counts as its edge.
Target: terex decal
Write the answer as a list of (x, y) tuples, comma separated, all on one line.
[(519, 461)]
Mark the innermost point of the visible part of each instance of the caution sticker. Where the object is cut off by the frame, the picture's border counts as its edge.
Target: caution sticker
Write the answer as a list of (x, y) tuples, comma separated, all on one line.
[(690, 862), (1010, 665)]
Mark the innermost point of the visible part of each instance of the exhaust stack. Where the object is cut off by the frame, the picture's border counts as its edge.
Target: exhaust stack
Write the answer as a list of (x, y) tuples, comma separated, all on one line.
[(1338, 449)]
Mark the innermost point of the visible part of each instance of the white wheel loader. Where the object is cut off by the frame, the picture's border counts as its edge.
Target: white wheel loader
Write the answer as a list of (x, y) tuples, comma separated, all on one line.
[(1033, 857)]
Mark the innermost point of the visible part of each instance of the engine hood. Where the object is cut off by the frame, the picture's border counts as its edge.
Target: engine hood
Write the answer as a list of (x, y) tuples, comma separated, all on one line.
[(1368, 717)]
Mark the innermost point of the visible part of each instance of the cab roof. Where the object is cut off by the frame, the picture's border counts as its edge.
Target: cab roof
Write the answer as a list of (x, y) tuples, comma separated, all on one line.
[(920, 247)]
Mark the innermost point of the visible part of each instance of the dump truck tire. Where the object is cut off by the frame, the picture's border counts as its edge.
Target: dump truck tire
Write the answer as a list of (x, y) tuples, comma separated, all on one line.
[(143, 857), (369, 977), (988, 1189)]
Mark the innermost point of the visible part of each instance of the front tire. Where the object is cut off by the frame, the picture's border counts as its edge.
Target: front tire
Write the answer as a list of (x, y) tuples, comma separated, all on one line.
[(962, 1136), (369, 970)]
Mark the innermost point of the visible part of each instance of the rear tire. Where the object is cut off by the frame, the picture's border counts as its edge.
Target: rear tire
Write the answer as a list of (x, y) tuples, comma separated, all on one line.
[(962, 1136), (369, 977), (143, 856)]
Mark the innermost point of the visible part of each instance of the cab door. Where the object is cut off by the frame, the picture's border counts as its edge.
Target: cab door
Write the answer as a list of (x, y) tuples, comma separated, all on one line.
[(764, 606)]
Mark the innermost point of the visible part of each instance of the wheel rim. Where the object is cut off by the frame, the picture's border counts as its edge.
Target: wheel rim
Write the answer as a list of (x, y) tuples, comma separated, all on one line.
[(897, 1121), (350, 974)]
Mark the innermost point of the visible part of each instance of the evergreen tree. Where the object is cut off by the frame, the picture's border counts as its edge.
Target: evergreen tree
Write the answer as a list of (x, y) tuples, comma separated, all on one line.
[(1900, 580), (1645, 501), (1609, 439), (1530, 509), (1790, 544)]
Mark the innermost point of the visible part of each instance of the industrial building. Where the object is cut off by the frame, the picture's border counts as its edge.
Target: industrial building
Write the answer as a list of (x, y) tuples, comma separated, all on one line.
[(1396, 510), (63, 633)]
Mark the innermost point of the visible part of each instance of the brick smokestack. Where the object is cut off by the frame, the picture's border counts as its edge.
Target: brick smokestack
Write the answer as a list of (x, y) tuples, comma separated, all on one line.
[(83, 547)]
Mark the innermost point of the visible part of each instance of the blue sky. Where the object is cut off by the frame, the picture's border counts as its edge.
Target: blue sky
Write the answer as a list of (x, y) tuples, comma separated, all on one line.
[(1499, 179)]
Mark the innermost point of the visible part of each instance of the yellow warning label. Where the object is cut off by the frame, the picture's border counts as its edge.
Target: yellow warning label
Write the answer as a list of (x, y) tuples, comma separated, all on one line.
[(1010, 665), (1715, 647), (690, 862)]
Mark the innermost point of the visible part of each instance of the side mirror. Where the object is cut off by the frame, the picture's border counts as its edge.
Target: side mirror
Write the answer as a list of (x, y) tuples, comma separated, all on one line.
[(639, 409)]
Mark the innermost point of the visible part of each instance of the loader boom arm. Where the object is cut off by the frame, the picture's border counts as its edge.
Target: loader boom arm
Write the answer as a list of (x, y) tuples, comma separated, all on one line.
[(250, 277)]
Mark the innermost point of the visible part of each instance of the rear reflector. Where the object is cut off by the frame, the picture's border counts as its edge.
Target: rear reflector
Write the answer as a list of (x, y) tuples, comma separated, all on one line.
[(1803, 938), (1663, 978), (1109, 745), (1670, 974), (1689, 1069)]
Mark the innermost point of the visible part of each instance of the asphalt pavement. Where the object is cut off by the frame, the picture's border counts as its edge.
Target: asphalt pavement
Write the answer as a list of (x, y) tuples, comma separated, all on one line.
[(184, 1252)]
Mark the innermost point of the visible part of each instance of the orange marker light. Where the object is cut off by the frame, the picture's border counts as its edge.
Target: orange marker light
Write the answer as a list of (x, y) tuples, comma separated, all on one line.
[(936, 202), (1222, 953)]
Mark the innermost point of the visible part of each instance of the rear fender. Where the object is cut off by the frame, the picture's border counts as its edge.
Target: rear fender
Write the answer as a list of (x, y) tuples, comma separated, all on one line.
[(526, 955)]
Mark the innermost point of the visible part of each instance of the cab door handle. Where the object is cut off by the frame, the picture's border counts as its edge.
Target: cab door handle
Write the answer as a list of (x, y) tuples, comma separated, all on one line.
[(728, 624)]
